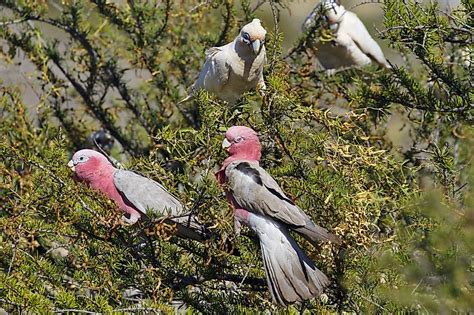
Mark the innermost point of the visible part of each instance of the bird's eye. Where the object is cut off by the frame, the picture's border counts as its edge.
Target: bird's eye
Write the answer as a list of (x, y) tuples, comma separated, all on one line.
[(246, 37), (238, 139), (81, 158)]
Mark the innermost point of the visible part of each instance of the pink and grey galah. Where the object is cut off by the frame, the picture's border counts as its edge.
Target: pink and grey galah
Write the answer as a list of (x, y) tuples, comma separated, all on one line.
[(260, 203), (134, 194)]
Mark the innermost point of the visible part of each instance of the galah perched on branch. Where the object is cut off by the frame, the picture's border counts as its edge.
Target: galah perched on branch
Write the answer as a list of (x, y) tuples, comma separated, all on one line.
[(134, 194), (352, 44), (260, 203), (235, 68)]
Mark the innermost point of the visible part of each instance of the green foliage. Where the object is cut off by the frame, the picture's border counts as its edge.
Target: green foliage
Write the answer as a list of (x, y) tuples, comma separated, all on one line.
[(124, 67), (436, 259)]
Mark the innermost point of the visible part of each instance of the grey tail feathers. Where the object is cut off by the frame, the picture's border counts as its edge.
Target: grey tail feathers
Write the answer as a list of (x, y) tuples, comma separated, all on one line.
[(291, 275), (189, 227), (315, 233)]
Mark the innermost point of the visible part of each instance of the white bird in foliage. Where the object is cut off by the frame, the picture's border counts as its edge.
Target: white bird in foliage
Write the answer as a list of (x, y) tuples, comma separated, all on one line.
[(235, 68), (352, 44)]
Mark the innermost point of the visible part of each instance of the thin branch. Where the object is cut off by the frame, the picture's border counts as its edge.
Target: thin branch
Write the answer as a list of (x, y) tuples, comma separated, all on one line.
[(276, 19), (227, 20), (372, 302), (74, 310), (141, 309), (15, 248), (364, 3), (192, 280), (205, 3), (84, 92), (12, 303), (12, 22), (258, 5)]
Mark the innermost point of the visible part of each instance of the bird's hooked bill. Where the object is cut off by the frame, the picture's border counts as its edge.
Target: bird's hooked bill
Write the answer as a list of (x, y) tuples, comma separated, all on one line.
[(70, 164), (256, 46), (226, 143)]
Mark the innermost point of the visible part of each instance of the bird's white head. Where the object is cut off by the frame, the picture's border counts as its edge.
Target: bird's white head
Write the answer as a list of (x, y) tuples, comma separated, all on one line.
[(333, 10), (253, 35), (330, 10)]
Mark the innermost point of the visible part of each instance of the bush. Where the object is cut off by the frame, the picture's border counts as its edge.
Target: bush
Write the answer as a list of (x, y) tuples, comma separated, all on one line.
[(123, 69)]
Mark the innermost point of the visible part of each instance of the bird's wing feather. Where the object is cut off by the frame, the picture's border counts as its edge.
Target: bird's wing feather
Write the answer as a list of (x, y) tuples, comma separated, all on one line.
[(291, 275), (215, 73), (146, 194), (361, 37), (255, 190), (212, 52)]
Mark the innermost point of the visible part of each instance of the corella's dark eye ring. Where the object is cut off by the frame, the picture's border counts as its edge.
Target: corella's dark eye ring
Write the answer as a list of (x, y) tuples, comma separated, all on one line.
[(246, 37)]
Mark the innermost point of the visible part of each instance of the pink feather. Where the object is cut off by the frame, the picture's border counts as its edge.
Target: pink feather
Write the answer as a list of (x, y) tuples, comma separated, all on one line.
[(98, 173)]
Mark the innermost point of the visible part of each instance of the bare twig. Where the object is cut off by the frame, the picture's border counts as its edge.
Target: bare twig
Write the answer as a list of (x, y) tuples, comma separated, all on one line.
[(11, 303), (114, 162), (17, 240), (205, 3), (73, 310), (276, 18), (17, 21), (228, 21), (365, 2), (190, 280), (257, 5), (372, 302), (139, 309)]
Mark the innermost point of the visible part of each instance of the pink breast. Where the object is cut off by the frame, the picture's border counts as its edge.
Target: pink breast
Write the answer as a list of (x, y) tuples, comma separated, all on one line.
[(242, 215)]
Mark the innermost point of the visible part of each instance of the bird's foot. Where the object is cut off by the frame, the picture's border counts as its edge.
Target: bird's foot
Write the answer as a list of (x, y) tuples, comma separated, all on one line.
[(262, 88), (127, 221)]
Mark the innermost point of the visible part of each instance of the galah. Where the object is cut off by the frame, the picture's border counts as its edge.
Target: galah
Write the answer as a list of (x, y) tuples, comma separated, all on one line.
[(134, 194), (352, 44), (260, 203), (235, 68)]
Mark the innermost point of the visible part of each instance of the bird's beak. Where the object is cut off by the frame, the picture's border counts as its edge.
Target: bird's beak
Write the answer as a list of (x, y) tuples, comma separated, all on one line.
[(70, 164), (226, 143), (256, 46)]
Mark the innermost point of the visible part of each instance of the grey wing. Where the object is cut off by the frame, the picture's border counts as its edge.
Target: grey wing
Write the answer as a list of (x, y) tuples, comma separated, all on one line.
[(215, 73), (361, 37), (146, 194), (255, 190)]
